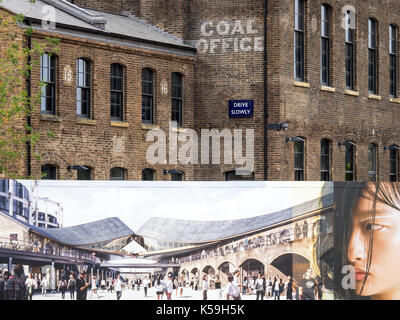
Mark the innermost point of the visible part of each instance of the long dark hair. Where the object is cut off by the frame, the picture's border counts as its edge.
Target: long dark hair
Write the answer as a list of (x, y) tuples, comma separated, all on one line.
[(347, 195)]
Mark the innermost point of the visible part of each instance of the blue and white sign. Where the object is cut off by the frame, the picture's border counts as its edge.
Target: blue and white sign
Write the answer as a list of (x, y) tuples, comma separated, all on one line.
[(241, 108)]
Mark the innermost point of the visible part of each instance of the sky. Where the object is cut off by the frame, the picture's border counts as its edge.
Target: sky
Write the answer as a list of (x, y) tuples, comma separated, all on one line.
[(135, 202)]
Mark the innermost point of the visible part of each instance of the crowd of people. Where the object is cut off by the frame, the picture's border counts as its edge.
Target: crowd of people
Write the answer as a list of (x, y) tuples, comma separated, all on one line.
[(17, 286)]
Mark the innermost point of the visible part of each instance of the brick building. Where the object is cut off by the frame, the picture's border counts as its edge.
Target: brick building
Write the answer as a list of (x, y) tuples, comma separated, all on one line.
[(333, 84)]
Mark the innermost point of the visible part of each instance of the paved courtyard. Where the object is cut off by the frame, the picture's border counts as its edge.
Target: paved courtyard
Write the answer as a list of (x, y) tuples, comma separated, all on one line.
[(129, 294)]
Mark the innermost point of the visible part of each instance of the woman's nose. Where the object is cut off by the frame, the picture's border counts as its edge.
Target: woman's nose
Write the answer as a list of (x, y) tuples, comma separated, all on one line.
[(355, 248)]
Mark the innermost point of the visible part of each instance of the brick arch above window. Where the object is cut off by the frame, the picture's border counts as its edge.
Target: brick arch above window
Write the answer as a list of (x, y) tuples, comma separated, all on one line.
[(118, 60)]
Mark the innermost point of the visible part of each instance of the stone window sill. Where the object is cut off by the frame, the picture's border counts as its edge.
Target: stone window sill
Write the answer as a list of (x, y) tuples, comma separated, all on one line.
[(148, 126), (119, 124), (88, 122), (50, 117), (394, 100), (180, 129), (374, 97), (352, 93), (328, 89), (301, 84)]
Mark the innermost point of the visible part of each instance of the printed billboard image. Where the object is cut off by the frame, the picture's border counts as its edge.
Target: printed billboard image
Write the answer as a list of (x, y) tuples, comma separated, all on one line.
[(167, 241), (367, 237)]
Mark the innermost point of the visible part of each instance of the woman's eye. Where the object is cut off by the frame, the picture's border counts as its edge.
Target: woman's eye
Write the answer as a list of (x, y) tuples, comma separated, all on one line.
[(373, 227)]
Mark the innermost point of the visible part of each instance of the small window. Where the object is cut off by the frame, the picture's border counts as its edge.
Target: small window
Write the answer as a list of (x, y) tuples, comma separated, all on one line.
[(148, 175), (232, 176), (117, 174), (349, 162), (299, 160), (83, 88), (48, 77), (177, 98), (147, 96), (84, 174), (117, 92), (49, 172), (372, 159), (325, 160)]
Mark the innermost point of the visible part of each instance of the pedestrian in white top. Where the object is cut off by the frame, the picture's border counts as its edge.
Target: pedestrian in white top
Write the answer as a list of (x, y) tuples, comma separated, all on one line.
[(205, 287), (170, 286), (232, 290), (146, 283), (44, 284), (118, 287)]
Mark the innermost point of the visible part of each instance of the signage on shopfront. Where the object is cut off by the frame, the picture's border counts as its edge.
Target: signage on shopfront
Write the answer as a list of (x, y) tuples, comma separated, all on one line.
[(241, 108)]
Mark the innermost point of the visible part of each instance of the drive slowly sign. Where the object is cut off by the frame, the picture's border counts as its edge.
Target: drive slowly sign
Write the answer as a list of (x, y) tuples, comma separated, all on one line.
[(241, 108)]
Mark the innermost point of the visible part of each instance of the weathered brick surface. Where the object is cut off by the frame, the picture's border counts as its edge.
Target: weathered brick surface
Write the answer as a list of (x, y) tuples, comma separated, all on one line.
[(101, 146), (310, 112)]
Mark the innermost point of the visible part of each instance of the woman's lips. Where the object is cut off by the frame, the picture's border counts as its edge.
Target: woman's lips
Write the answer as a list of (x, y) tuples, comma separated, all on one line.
[(360, 274)]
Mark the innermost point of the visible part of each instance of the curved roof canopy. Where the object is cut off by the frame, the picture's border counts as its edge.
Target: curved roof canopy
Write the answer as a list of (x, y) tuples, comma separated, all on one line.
[(88, 233), (191, 231)]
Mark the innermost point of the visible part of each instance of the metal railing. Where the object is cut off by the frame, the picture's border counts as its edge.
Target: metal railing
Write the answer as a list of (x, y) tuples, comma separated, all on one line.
[(283, 236), (38, 247)]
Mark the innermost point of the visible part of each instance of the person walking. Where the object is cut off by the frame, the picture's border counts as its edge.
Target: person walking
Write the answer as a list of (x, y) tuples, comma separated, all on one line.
[(308, 286), (93, 290), (176, 285), (103, 285), (30, 285), (71, 287), (205, 287), (232, 290), (289, 289), (3, 280), (62, 287), (118, 287), (82, 286), (276, 288), (259, 286), (269, 288), (159, 285), (44, 284), (170, 286), (14, 288), (146, 283), (218, 286)]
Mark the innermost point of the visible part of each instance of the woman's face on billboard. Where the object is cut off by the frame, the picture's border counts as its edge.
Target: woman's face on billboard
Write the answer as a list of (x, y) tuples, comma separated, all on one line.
[(383, 276)]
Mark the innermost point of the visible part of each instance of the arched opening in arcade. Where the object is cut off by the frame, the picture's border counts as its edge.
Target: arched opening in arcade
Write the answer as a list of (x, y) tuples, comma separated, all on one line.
[(224, 269), (292, 264), (194, 278), (251, 268), (209, 271), (184, 275)]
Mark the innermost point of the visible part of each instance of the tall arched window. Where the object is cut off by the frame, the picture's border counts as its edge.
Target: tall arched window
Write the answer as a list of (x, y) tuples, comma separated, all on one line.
[(394, 163), (117, 91), (372, 56), (349, 161), (177, 98), (299, 20), (325, 45), (299, 160), (393, 61), (83, 84), (147, 96), (372, 162), (48, 77), (349, 40), (325, 160)]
